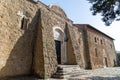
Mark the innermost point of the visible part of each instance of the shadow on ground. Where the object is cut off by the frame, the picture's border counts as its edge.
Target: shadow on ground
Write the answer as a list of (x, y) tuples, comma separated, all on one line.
[(95, 78), (103, 78), (21, 78)]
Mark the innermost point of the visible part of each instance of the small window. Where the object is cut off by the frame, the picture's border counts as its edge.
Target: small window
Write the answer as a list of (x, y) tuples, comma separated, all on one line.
[(24, 23), (101, 41), (98, 39), (96, 53), (95, 39), (79, 41), (111, 45)]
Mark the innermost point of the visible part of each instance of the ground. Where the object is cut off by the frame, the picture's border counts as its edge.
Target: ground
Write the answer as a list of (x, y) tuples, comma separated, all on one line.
[(97, 74)]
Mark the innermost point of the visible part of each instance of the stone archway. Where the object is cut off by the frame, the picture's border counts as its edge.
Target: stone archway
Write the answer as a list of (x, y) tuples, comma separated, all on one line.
[(59, 36)]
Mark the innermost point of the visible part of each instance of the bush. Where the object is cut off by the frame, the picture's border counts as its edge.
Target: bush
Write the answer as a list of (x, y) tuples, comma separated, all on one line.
[(118, 59)]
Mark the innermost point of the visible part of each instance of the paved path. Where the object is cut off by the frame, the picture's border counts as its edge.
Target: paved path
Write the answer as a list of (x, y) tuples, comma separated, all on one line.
[(97, 74)]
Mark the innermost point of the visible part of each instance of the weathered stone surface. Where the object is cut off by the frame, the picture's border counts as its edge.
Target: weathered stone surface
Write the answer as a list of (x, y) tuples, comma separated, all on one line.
[(57, 10), (71, 55), (48, 20), (79, 41), (45, 48), (27, 43), (98, 46), (16, 44)]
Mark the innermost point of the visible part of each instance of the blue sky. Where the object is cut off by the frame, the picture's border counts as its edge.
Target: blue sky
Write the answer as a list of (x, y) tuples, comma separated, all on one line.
[(78, 11)]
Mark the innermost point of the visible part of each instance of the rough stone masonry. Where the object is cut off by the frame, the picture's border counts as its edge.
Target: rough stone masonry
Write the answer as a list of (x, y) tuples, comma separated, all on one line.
[(32, 34)]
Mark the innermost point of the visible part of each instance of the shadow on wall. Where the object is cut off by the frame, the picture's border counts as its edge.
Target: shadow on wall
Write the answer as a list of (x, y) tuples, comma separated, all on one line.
[(21, 57)]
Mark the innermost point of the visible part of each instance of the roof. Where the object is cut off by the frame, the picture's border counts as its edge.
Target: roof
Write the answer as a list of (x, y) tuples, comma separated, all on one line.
[(87, 25)]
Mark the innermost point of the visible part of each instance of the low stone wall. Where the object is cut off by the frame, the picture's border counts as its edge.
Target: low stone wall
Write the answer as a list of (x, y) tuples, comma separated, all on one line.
[(16, 44)]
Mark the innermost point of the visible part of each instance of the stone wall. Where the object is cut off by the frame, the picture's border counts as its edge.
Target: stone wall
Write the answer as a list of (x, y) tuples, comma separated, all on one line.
[(100, 47), (71, 58), (75, 46), (97, 47), (84, 47), (26, 37), (27, 40), (45, 45), (79, 39), (16, 44), (45, 48)]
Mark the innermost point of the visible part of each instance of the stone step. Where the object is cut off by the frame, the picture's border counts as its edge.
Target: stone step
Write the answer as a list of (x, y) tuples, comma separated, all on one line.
[(65, 71), (68, 66)]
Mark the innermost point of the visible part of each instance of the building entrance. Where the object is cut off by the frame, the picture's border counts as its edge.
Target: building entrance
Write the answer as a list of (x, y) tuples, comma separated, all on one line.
[(60, 45), (106, 64), (58, 51)]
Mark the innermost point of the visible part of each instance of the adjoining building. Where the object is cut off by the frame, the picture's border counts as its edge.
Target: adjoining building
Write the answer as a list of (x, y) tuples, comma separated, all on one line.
[(35, 38), (97, 46)]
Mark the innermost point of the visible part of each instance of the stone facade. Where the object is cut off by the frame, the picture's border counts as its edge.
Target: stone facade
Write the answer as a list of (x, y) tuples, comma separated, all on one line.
[(98, 47), (28, 31), (16, 44)]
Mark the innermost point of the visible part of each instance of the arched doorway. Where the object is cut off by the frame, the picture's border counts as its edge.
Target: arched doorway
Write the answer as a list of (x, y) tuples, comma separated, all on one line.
[(58, 50), (59, 42), (105, 63)]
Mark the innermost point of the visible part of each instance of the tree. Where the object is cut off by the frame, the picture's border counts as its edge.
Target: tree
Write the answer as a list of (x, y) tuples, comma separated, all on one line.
[(109, 9), (118, 59)]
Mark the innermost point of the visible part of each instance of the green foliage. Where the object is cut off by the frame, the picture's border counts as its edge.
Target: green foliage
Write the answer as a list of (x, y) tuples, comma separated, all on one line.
[(118, 59), (110, 9)]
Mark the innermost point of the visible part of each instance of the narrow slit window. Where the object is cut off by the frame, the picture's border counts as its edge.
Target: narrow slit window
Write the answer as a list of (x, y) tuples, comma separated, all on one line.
[(96, 53), (111, 45), (24, 23), (101, 42), (95, 39)]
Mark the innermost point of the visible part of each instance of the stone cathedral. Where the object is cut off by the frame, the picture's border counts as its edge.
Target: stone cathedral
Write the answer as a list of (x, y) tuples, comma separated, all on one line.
[(36, 38)]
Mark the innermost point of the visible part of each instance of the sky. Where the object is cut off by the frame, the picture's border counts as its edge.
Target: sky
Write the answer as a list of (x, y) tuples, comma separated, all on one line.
[(79, 12)]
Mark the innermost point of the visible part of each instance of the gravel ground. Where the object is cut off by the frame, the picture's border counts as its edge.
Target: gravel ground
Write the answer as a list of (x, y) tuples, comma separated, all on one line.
[(98, 74)]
